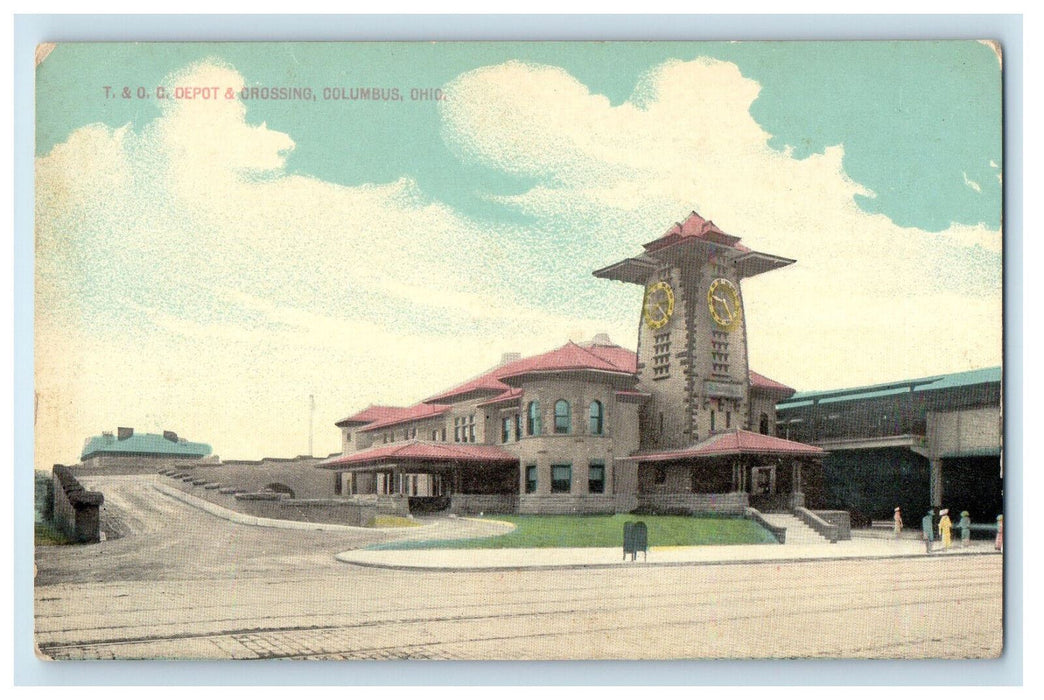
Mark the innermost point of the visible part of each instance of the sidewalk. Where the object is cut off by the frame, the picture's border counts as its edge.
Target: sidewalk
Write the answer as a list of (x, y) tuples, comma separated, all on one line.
[(606, 557)]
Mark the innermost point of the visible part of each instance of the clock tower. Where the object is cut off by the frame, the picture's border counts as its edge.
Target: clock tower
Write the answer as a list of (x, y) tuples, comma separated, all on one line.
[(692, 337)]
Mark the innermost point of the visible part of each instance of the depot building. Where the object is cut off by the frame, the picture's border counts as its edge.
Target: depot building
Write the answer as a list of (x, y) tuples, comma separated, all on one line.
[(592, 427)]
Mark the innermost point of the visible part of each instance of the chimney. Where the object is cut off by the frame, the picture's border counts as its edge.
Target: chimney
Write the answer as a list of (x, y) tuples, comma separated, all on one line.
[(170, 435), (124, 433), (601, 339), (509, 357), (107, 435)]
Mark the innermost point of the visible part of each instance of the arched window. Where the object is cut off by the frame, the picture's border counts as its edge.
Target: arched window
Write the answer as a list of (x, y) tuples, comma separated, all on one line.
[(763, 424), (533, 418), (595, 424), (563, 417)]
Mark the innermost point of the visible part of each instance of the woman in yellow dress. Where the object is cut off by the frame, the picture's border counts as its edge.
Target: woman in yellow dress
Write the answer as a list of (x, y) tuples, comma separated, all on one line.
[(944, 527)]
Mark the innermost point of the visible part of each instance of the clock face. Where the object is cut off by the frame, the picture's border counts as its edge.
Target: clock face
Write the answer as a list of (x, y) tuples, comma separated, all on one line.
[(723, 299), (659, 305)]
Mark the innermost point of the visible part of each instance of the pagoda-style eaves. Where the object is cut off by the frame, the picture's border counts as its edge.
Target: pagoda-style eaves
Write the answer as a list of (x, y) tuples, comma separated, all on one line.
[(693, 238)]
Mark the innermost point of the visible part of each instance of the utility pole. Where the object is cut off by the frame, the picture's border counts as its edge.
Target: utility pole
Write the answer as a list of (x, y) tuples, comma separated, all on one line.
[(311, 422)]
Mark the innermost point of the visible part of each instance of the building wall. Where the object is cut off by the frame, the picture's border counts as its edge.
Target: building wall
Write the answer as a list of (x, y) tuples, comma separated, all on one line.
[(579, 448), (683, 406), (666, 421), (761, 403), (966, 430)]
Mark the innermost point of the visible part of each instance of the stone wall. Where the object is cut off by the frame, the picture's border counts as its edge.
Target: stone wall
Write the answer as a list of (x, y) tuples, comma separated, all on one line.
[(299, 474), (694, 502), (472, 504), (565, 504), (76, 510), (339, 511), (120, 465), (841, 519)]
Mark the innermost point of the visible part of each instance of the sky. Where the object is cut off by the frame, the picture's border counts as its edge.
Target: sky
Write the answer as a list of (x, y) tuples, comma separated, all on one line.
[(206, 265)]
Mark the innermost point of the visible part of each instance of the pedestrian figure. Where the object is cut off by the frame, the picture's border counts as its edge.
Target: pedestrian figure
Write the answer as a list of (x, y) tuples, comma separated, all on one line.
[(998, 544), (898, 518), (945, 527), (927, 532), (965, 526)]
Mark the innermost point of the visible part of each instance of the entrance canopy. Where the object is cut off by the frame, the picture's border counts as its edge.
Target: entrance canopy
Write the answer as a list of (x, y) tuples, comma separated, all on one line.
[(734, 442), (422, 451)]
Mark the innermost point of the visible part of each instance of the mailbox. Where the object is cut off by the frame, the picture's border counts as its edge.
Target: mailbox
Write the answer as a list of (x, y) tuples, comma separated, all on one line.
[(635, 539)]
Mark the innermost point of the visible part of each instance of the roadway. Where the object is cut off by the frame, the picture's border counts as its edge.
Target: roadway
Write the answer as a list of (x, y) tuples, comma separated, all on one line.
[(181, 583)]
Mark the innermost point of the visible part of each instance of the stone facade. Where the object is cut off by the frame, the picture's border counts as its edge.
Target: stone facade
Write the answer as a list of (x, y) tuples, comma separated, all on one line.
[(568, 431)]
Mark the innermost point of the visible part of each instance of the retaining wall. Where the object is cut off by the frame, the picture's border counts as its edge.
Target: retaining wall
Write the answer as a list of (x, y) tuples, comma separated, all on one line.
[(473, 503), (565, 504), (339, 511), (76, 510), (734, 503)]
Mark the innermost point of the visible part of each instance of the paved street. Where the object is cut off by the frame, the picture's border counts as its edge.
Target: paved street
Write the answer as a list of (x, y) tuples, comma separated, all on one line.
[(183, 583)]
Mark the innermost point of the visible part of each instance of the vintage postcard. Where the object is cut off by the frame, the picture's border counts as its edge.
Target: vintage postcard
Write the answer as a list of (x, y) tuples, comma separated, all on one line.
[(538, 351)]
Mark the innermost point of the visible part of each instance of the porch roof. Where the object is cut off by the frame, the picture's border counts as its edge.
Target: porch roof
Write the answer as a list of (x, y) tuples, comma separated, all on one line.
[(734, 442), (423, 451)]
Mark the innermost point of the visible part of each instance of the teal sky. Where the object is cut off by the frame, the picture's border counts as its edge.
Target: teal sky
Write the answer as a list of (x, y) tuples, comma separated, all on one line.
[(400, 247), (914, 117)]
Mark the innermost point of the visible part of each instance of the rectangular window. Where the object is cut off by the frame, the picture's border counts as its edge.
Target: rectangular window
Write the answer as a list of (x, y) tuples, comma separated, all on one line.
[(728, 419), (531, 478), (505, 429), (712, 420), (596, 478), (518, 427), (561, 478)]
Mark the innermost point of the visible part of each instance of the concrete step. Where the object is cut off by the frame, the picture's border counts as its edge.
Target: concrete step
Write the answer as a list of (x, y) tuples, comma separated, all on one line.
[(797, 531)]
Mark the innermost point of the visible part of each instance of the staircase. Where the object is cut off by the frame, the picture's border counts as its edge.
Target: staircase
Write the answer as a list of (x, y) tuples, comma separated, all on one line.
[(797, 531)]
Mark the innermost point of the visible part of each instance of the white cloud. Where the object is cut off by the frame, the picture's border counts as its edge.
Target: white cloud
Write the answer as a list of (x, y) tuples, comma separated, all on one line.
[(867, 301), (186, 281)]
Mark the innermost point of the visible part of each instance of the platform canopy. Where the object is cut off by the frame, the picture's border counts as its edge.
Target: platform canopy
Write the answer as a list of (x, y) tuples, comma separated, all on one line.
[(422, 451)]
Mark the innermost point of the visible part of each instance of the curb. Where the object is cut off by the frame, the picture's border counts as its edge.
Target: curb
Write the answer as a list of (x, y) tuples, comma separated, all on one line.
[(344, 558)]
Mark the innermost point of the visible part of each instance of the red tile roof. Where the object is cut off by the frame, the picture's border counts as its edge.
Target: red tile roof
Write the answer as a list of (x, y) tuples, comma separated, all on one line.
[(694, 226), (573, 357), (604, 357), (511, 395), (373, 413), (418, 450), (734, 442), (418, 412), (760, 381), (622, 358)]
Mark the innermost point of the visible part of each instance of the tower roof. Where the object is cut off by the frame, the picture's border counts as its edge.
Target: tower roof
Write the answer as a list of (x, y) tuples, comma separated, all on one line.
[(694, 226), (694, 231)]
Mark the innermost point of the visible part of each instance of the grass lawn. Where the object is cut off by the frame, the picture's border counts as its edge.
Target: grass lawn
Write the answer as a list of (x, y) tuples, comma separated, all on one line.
[(46, 535), (604, 531), (392, 521)]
